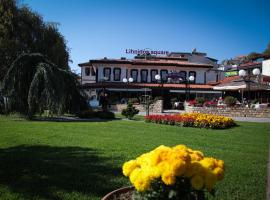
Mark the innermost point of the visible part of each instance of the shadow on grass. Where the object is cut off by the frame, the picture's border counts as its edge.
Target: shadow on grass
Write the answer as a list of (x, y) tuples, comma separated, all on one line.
[(44, 171), (72, 119)]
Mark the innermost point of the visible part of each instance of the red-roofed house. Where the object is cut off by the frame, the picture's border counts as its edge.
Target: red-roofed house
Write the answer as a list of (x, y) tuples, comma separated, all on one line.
[(97, 74)]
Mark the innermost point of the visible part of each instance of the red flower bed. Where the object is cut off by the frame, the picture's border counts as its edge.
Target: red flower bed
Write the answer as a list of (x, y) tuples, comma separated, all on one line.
[(192, 120)]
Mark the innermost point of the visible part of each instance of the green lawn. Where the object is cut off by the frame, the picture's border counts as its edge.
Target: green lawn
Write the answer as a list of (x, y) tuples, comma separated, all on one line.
[(82, 160)]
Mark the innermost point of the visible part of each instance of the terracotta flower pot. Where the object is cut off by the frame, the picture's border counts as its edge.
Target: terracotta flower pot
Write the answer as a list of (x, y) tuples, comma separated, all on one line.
[(124, 193)]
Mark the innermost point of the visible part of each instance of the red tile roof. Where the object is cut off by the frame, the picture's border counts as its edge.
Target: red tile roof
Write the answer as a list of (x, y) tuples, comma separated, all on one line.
[(249, 64), (148, 85), (159, 62)]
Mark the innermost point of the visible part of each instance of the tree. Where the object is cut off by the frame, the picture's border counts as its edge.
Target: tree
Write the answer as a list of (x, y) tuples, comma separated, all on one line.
[(24, 31), (267, 51), (34, 84)]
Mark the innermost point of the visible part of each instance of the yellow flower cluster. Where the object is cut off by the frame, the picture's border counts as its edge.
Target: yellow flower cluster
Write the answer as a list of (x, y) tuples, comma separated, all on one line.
[(168, 163), (210, 121)]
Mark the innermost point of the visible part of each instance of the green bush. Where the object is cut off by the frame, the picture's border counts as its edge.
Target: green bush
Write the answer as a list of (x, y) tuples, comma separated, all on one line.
[(86, 114), (130, 111), (105, 115), (230, 101), (200, 101)]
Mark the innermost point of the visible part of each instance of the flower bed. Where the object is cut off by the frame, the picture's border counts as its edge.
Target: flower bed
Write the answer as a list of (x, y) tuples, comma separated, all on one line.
[(193, 120), (173, 173)]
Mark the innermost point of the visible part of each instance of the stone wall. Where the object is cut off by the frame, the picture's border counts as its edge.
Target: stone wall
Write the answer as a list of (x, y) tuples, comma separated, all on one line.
[(156, 107), (232, 112)]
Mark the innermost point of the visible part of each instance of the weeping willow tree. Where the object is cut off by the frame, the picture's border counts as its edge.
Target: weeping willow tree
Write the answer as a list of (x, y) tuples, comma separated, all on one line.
[(34, 84)]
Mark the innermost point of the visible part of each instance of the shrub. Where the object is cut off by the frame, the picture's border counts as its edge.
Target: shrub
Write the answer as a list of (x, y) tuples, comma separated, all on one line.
[(230, 101), (105, 115), (130, 111), (200, 101), (86, 114)]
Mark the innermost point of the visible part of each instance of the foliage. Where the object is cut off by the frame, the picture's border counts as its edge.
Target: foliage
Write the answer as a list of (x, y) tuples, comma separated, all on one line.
[(267, 51), (130, 111), (173, 173), (86, 114), (193, 120), (24, 31), (105, 115), (230, 101), (200, 101), (210, 104), (33, 84)]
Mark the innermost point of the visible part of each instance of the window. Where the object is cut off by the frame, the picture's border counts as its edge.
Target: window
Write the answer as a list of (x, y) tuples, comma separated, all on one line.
[(163, 74), (87, 71), (192, 73), (183, 75), (144, 75), (107, 73), (154, 72), (93, 73), (117, 74), (134, 74)]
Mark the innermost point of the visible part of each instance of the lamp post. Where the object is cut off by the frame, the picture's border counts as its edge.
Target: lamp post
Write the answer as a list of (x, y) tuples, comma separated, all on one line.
[(127, 81), (159, 79), (246, 78), (187, 81), (103, 98)]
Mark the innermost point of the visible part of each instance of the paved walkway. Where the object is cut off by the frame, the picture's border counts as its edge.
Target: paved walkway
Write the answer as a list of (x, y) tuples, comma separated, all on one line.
[(251, 119), (241, 119)]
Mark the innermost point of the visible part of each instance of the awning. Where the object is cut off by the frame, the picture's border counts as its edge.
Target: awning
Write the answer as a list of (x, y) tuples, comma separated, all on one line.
[(130, 89), (230, 87), (196, 91)]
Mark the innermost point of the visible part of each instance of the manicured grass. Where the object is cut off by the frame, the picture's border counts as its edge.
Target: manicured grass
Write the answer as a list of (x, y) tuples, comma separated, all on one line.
[(82, 160)]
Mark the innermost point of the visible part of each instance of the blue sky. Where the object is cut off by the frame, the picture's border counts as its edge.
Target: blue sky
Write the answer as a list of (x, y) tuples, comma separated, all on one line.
[(98, 28)]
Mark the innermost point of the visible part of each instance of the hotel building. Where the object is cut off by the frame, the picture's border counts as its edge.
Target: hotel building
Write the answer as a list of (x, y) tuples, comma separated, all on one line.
[(174, 70)]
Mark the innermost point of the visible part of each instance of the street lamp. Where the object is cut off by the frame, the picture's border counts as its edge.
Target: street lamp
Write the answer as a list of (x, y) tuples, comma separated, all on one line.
[(246, 77), (187, 81), (159, 79), (127, 81), (103, 98)]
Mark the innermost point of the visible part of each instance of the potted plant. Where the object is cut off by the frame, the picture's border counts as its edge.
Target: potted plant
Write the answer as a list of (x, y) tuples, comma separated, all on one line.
[(171, 173)]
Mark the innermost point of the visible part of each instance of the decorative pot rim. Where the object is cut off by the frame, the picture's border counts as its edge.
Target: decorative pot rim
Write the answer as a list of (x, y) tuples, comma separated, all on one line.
[(118, 191)]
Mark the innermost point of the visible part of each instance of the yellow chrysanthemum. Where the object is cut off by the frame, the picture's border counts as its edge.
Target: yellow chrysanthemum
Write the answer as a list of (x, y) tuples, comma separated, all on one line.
[(219, 173), (168, 178), (129, 166), (197, 182)]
